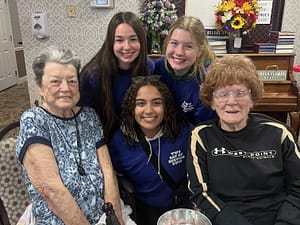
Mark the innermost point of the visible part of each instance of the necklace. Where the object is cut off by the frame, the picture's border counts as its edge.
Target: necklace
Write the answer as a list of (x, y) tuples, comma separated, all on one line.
[(80, 169), (78, 161)]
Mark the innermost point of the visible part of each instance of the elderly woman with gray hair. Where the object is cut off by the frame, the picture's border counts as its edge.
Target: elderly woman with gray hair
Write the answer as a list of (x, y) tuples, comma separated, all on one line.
[(67, 167)]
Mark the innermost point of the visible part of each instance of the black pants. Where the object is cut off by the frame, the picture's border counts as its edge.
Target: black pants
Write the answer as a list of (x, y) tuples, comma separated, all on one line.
[(148, 215)]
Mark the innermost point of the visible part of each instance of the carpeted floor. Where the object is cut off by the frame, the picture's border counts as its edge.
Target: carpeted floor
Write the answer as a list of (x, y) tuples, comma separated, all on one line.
[(13, 102)]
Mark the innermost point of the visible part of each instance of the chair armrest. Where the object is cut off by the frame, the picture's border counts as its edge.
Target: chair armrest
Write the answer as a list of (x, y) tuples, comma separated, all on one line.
[(8, 128)]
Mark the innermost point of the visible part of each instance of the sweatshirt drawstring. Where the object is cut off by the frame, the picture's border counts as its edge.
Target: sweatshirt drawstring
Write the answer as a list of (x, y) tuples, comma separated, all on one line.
[(158, 161), (151, 152), (158, 155)]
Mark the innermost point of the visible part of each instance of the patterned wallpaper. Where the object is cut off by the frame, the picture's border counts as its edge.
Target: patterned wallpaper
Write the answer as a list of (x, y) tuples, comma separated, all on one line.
[(86, 32), (291, 22)]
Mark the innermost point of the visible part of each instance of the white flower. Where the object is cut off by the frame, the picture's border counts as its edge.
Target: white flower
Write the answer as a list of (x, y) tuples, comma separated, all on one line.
[(227, 16)]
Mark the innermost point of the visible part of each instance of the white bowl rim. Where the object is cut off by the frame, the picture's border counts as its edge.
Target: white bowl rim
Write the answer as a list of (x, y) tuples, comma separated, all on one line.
[(186, 209)]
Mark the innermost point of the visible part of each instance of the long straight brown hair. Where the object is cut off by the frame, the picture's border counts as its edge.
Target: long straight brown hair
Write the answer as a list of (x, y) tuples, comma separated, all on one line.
[(105, 64)]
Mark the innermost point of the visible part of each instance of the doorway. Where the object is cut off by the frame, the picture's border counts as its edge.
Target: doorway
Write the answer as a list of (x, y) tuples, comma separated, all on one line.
[(8, 64)]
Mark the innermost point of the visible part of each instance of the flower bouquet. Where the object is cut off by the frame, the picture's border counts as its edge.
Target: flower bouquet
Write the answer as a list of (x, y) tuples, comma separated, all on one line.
[(236, 17), (157, 17)]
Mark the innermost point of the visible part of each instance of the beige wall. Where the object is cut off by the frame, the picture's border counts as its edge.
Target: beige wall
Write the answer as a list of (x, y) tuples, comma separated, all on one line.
[(85, 33)]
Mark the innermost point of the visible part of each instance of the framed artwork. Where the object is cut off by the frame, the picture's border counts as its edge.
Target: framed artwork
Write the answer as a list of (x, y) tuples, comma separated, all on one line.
[(102, 3)]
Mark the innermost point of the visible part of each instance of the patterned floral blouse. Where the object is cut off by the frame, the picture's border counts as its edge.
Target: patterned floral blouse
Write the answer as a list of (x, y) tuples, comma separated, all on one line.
[(74, 142)]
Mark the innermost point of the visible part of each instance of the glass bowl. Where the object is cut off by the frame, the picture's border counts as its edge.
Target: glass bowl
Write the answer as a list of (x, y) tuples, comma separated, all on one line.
[(183, 216)]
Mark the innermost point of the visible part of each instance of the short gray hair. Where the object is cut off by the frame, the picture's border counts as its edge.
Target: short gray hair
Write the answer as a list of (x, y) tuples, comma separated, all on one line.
[(53, 54)]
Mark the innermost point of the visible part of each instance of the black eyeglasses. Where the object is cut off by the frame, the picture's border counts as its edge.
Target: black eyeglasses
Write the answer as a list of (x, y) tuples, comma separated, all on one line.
[(140, 79)]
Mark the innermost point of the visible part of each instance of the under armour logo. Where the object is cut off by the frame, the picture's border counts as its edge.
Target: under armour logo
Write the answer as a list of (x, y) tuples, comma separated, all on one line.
[(217, 151)]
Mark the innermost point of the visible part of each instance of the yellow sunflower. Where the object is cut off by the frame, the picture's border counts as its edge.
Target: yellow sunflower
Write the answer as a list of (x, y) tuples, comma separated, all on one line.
[(237, 23)]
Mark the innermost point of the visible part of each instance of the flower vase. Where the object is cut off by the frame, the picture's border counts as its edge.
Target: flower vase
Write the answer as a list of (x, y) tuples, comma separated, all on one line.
[(155, 42), (234, 43)]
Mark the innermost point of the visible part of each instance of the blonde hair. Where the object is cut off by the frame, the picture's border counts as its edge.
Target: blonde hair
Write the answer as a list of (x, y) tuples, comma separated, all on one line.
[(197, 30)]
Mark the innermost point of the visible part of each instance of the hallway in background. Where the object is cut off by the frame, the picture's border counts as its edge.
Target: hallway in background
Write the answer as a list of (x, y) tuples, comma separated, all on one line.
[(13, 102)]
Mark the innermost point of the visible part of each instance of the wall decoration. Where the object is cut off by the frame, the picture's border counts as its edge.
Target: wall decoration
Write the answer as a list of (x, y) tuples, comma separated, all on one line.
[(102, 3)]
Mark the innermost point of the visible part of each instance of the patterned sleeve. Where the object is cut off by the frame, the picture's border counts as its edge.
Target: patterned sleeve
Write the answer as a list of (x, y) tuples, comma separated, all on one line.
[(33, 130), (97, 127)]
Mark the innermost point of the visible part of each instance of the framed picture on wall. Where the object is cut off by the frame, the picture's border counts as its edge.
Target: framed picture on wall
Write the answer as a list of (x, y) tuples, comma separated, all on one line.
[(102, 3)]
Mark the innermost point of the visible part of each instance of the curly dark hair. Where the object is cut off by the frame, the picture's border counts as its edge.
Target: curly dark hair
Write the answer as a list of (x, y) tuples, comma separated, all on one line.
[(170, 123)]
